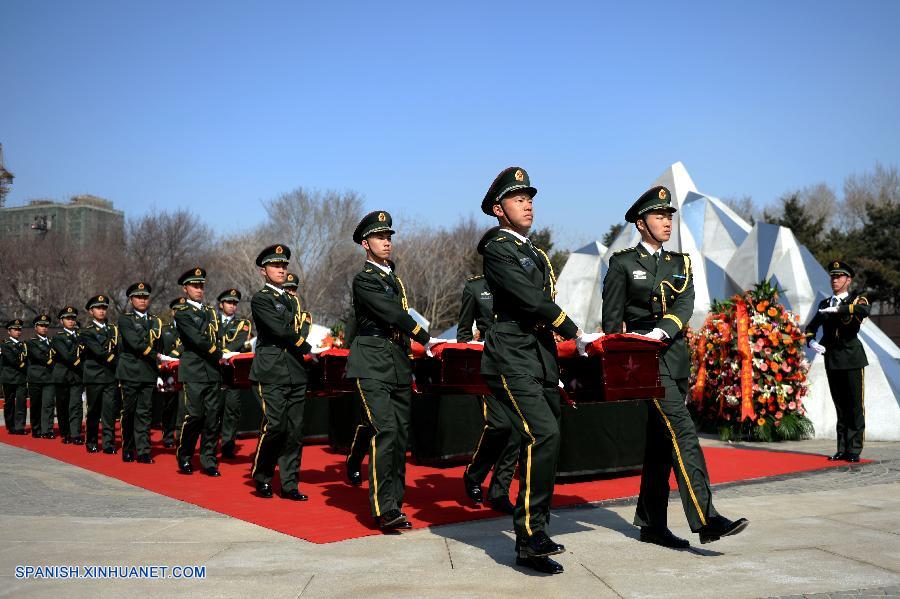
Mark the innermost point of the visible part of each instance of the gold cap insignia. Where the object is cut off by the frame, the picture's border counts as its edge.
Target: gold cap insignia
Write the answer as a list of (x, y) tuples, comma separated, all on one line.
[(69, 310), (44, 317), (233, 292), (279, 249), (140, 285), (662, 194), (181, 300), (198, 272), (837, 265), (290, 277), (99, 298), (381, 217), (520, 175)]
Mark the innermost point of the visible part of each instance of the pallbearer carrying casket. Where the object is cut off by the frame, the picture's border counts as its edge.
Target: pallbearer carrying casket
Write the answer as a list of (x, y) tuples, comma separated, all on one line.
[(650, 290), (520, 362), (380, 362)]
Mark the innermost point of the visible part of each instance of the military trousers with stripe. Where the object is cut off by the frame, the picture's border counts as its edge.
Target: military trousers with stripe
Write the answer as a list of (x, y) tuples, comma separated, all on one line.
[(672, 443), (497, 449), (532, 406), (15, 405), (847, 389), (203, 421), (137, 411), (387, 407), (69, 410), (281, 441), (103, 407)]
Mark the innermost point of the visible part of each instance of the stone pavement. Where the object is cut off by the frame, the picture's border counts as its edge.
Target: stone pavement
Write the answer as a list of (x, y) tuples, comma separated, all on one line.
[(833, 533)]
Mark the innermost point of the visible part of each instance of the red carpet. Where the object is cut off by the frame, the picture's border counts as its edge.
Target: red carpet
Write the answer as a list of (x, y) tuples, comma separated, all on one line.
[(335, 511)]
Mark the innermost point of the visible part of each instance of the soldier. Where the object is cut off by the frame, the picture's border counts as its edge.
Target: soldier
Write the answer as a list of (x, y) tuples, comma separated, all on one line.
[(13, 368), (362, 434), (380, 362), (40, 379), (137, 372), (166, 394), (68, 377), (235, 337), (279, 375), (100, 343), (498, 447), (649, 290), (840, 317), (291, 284), (520, 363), (199, 371)]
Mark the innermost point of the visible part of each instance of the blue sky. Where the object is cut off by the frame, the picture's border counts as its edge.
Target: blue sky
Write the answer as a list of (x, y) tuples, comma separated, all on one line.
[(214, 106)]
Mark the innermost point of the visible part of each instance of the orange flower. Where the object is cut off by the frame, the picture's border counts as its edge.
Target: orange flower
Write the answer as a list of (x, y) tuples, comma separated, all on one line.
[(761, 421), (772, 312)]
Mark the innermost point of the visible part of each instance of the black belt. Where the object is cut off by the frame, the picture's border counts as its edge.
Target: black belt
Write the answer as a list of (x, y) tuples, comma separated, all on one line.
[(633, 326), (393, 335), (531, 326)]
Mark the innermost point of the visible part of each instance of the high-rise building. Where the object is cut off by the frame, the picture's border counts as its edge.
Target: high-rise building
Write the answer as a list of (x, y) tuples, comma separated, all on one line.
[(84, 219)]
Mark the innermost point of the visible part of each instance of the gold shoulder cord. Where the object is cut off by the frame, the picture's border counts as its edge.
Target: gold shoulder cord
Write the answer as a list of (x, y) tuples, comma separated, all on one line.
[(405, 304), (114, 341), (213, 327), (552, 274), (155, 333), (687, 278)]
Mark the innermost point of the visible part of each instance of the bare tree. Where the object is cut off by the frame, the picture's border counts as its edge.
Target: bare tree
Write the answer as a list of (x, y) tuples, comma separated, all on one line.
[(744, 206), (880, 187), (818, 202)]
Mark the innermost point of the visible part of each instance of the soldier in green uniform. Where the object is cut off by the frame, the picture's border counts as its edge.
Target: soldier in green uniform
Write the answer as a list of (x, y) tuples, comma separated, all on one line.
[(100, 342), (498, 447), (172, 413), (68, 377), (235, 335), (840, 317), (279, 375), (137, 372), (519, 363), (380, 362), (40, 379), (13, 368), (199, 371), (649, 290)]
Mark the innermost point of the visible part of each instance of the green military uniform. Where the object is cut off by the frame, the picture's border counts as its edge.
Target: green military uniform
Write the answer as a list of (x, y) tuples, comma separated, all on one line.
[(68, 380), (646, 292), (845, 359), (234, 334), (199, 371), (380, 362), (172, 413), (100, 350), (137, 374), (280, 379), (40, 382), (13, 368), (498, 447)]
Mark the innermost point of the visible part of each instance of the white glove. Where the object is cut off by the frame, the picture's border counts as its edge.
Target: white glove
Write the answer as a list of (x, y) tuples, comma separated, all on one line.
[(159, 384), (584, 340), (828, 310), (431, 343), (229, 354), (817, 347), (165, 358), (656, 335), (318, 350)]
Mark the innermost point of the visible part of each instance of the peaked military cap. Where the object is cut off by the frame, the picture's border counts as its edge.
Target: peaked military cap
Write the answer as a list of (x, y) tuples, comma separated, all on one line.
[(291, 281), (230, 295), (509, 180), (655, 198), (193, 275), (98, 301), (139, 289), (41, 319), (177, 302), (15, 323), (68, 312), (374, 222), (839, 267), (274, 253)]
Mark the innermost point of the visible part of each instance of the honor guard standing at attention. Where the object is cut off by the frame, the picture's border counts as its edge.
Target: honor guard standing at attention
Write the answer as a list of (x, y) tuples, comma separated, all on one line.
[(650, 291), (498, 447), (100, 349), (13, 368), (137, 372), (40, 379), (840, 317), (519, 363), (198, 327), (172, 414), (380, 362), (68, 377), (235, 335), (279, 375), (291, 283)]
